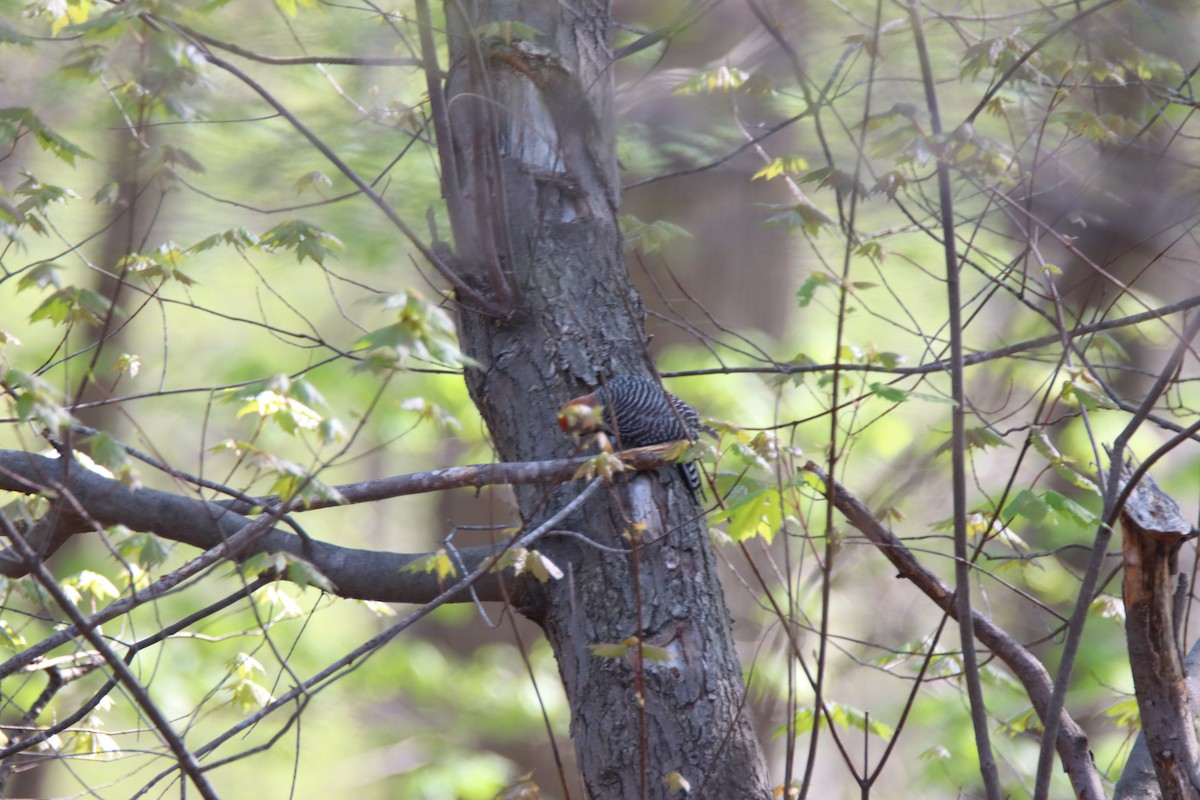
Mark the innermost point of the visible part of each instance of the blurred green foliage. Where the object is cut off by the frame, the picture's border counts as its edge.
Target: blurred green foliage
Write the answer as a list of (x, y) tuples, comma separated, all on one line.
[(274, 333)]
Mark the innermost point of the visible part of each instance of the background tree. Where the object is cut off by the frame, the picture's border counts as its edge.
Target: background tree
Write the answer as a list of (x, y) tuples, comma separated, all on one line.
[(210, 357)]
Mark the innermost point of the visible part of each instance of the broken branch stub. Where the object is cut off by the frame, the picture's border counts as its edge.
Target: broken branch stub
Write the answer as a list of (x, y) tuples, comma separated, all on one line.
[(1154, 528)]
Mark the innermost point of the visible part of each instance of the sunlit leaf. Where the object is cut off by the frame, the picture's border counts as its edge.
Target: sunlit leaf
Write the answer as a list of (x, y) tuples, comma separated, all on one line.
[(785, 165), (9, 638), (844, 716), (757, 515), (721, 79), (1108, 607), (612, 650), (676, 782), (438, 563), (1125, 714)]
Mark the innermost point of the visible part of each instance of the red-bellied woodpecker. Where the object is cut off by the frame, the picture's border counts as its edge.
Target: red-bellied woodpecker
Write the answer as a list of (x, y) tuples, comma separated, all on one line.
[(636, 412)]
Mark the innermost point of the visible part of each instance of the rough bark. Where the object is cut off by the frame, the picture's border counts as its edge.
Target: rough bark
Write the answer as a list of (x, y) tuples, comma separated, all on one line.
[(534, 184), (1138, 780), (1153, 529)]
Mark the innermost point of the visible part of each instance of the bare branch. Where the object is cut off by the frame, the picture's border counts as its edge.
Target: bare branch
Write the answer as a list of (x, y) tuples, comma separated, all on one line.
[(359, 574), (355, 61), (1071, 742), (184, 757)]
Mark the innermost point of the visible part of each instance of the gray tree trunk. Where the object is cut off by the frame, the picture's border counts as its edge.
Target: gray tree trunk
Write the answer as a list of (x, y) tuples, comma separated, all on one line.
[(526, 138)]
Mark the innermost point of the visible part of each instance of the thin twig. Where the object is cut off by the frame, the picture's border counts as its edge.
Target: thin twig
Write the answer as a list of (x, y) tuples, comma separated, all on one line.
[(958, 437), (184, 757)]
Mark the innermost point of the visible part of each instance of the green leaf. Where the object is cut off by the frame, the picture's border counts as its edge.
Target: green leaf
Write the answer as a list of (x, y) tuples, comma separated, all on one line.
[(803, 215), (240, 239), (1024, 723), (291, 404), (649, 237), (108, 194), (786, 165), (937, 752), (314, 181), (521, 560), (424, 331), (757, 515), (274, 600), (676, 782), (291, 415), (93, 744), (40, 276), (722, 79), (431, 412), (1028, 505), (9, 638), (247, 696), (814, 281), (35, 400), (144, 549), (843, 716), (304, 574), (1125, 714), (94, 584), (982, 438), (892, 394), (23, 118), (612, 650), (307, 240), (437, 562), (244, 665), (889, 183), (290, 7), (1081, 389), (1051, 508), (74, 305), (111, 454), (178, 157), (1069, 509)]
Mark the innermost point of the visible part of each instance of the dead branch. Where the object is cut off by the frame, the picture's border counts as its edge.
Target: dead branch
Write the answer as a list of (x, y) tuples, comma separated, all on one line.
[(1153, 529)]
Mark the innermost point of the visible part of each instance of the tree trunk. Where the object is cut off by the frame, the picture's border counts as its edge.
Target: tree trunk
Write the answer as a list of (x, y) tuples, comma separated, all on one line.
[(529, 174)]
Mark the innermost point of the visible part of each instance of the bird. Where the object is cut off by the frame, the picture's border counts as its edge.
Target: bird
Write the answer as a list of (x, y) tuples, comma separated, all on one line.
[(636, 412)]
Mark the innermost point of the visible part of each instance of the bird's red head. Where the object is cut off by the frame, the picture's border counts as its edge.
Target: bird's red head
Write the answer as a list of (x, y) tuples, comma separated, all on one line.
[(581, 415)]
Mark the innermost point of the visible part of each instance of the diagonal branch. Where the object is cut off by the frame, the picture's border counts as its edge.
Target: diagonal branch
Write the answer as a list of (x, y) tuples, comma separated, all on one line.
[(1071, 742), (464, 293), (325, 676), (122, 672)]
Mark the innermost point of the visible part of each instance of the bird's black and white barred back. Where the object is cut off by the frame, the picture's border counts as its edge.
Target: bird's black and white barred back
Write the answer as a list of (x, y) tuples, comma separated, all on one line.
[(638, 412)]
